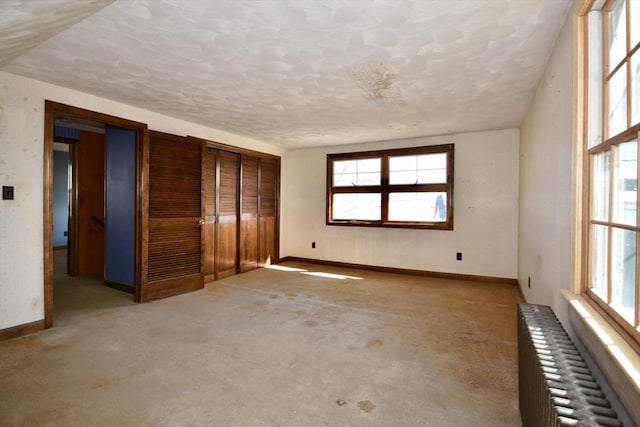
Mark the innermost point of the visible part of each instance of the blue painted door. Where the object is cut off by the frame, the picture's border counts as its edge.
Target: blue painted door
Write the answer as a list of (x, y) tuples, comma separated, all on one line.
[(120, 206)]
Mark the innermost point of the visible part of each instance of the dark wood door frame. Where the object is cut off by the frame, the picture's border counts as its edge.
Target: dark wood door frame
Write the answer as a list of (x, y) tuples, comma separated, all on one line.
[(51, 109)]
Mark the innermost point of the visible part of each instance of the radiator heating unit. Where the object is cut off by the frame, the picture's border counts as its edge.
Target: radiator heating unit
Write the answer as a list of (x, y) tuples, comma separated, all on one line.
[(556, 388)]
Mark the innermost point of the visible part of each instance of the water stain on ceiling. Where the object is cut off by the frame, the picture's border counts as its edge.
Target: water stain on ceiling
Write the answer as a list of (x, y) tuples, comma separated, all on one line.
[(376, 81)]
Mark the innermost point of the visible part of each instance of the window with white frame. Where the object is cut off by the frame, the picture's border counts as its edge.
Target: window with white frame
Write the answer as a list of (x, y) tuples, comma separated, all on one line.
[(407, 188), (611, 58)]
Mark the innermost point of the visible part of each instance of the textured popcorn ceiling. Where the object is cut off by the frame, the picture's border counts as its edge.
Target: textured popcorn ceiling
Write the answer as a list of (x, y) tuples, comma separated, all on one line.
[(295, 72), (25, 24)]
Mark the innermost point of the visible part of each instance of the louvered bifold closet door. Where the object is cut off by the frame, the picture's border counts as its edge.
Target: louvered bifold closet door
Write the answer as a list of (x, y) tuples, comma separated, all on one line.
[(209, 230), (175, 211), (226, 256), (249, 214), (268, 211)]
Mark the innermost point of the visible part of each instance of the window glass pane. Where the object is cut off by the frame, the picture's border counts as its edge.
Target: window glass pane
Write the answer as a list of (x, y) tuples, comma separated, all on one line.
[(600, 186), (634, 6), (623, 272), (403, 177), (625, 183), (353, 173), (617, 33), (344, 172), (432, 161), (635, 86), (618, 102), (357, 206), (369, 165), (403, 163), (598, 261), (418, 169), (418, 207), (368, 178), (432, 176)]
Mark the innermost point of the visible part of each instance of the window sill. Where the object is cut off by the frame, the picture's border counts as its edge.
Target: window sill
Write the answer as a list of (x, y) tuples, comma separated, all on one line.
[(413, 225), (619, 363)]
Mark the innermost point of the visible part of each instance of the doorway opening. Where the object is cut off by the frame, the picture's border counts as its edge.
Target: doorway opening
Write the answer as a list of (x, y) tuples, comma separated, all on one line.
[(92, 232)]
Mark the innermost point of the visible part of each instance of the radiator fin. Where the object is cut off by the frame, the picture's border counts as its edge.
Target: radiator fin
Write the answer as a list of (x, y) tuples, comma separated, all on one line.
[(555, 385)]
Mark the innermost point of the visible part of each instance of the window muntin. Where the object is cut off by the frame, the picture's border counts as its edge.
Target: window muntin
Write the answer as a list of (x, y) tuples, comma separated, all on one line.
[(410, 187), (613, 124)]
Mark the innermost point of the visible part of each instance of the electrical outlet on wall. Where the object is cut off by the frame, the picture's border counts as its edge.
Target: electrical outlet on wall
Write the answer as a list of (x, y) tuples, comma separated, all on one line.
[(313, 245), (7, 192), (458, 256)]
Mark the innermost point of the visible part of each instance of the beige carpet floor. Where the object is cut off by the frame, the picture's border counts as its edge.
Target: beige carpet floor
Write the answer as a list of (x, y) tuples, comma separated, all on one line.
[(296, 345)]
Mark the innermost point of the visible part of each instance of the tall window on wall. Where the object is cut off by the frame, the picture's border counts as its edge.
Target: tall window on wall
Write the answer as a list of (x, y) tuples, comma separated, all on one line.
[(612, 111), (406, 188)]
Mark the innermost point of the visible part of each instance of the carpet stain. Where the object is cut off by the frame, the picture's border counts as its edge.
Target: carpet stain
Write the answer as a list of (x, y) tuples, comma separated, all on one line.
[(366, 406), (468, 335), (100, 383), (375, 343), (291, 294), (488, 378), (310, 323), (341, 402), (273, 296), (260, 303)]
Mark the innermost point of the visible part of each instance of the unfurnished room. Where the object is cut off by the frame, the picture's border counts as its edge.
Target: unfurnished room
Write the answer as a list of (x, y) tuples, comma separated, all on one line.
[(319, 213)]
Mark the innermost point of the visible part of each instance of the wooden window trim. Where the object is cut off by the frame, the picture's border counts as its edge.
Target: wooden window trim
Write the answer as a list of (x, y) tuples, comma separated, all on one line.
[(629, 332), (624, 329), (385, 188)]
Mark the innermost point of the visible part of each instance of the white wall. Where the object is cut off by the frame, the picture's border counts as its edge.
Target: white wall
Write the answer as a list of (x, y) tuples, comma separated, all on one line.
[(545, 245), (21, 165), (546, 140), (485, 212)]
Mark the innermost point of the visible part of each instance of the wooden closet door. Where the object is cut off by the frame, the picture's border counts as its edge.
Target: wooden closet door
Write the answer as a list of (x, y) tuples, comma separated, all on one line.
[(249, 214), (173, 258), (88, 239), (226, 252), (268, 212), (209, 231)]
